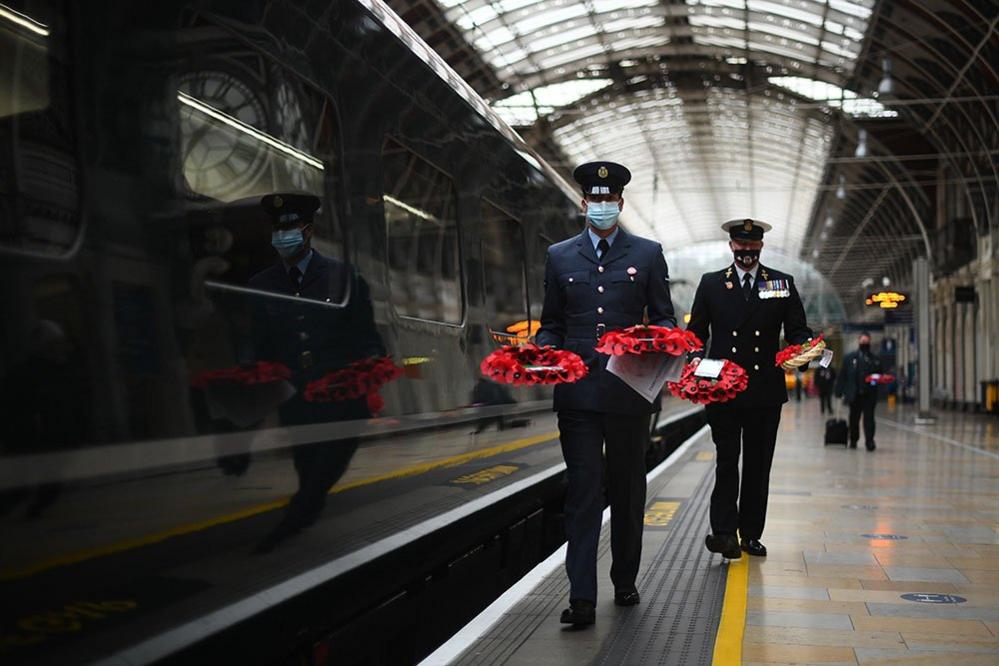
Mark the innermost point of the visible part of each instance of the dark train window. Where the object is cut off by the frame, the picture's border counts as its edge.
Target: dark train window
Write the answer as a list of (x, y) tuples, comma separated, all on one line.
[(422, 231), (39, 176), (502, 243)]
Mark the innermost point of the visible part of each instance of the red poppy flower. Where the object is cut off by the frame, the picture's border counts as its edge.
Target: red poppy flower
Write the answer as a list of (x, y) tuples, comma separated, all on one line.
[(700, 390), (261, 372), (525, 365), (643, 339)]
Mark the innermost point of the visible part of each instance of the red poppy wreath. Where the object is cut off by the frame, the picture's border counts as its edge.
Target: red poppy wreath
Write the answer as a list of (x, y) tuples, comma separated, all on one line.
[(648, 339), (879, 378), (795, 356), (248, 374), (525, 365), (363, 378), (731, 381)]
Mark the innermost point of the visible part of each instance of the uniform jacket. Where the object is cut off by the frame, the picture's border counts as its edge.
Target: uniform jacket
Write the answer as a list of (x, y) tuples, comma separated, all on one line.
[(748, 332), (310, 335), (585, 297), (856, 366), (825, 378)]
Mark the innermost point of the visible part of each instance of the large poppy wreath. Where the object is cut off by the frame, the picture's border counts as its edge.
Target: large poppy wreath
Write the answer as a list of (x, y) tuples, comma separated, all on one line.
[(259, 372), (795, 356), (648, 339), (731, 381), (525, 365), (363, 378)]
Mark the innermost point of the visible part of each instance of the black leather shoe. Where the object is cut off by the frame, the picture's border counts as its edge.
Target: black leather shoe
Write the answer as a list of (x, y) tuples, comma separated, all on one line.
[(726, 544), (579, 613), (754, 547), (626, 597), (853, 445), (871, 445)]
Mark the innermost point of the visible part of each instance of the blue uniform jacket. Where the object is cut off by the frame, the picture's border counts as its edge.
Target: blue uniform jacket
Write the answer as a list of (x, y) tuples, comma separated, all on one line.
[(585, 297), (748, 332)]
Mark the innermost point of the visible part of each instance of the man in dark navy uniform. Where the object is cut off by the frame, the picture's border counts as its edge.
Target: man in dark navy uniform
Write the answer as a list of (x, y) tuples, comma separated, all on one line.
[(312, 334), (738, 312), (600, 280)]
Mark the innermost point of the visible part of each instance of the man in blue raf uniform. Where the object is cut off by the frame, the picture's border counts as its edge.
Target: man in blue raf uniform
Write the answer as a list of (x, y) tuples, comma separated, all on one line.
[(861, 396), (602, 279), (740, 311), (313, 336)]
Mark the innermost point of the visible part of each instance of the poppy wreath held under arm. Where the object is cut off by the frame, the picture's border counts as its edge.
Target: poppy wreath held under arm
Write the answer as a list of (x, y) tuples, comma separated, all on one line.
[(879, 378), (731, 381), (363, 378), (526, 365), (247, 374), (795, 356), (648, 339)]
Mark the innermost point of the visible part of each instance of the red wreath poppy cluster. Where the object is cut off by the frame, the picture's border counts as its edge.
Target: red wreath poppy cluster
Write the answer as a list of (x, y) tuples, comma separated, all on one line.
[(261, 372), (789, 352), (642, 339), (700, 390), (361, 378), (879, 379), (525, 365)]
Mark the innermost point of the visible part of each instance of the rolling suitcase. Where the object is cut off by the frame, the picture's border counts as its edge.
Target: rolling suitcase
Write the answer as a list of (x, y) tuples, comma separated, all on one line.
[(837, 431)]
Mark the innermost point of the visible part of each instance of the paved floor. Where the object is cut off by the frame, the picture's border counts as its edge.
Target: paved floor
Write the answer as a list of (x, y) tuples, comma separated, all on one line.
[(880, 557), (884, 557)]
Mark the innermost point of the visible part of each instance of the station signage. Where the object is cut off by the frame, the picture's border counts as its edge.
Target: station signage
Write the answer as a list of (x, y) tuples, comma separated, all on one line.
[(886, 300)]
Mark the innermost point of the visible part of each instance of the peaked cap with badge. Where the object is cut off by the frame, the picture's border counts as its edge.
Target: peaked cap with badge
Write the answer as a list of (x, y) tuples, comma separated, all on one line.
[(285, 208), (601, 177), (746, 228)]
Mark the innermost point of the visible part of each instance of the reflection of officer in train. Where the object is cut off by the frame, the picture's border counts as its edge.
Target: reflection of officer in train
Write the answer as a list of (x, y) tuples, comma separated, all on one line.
[(740, 310), (602, 279), (311, 335)]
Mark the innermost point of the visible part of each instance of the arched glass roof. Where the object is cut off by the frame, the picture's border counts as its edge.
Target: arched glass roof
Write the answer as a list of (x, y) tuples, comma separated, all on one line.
[(720, 108)]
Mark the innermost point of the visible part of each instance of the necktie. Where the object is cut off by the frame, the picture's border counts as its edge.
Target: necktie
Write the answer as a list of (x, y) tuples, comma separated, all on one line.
[(602, 246), (747, 285), (296, 275)]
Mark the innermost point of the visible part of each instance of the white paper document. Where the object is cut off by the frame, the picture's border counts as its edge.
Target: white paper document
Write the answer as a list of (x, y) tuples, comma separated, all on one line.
[(646, 373), (827, 357), (709, 368)]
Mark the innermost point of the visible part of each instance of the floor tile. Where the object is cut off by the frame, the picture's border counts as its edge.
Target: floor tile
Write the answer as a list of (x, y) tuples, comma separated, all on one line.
[(798, 619), (797, 654), (807, 605), (826, 637), (788, 592), (905, 624), (929, 574)]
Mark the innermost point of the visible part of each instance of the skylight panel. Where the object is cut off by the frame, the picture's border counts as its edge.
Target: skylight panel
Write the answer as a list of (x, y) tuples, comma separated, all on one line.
[(785, 10)]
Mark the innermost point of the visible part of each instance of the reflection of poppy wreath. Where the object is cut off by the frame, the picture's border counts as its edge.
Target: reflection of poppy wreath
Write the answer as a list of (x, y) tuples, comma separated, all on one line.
[(363, 378), (700, 390), (642, 339), (524, 365), (876, 378), (260, 372), (795, 356)]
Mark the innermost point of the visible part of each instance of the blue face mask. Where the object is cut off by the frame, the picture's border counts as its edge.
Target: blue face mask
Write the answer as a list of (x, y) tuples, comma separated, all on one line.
[(288, 242), (602, 214)]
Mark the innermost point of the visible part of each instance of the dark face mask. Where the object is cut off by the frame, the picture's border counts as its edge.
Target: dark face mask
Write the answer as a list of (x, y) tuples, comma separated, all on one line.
[(746, 259), (865, 346)]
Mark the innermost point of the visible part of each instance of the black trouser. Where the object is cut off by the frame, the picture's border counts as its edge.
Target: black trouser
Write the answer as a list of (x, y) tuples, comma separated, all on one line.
[(583, 435), (754, 431), (319, 466), (864, 404), (825, 399)]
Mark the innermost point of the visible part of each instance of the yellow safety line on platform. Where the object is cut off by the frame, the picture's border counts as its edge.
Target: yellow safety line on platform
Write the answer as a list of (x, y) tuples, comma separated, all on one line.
[(129, 544), (728, 642)]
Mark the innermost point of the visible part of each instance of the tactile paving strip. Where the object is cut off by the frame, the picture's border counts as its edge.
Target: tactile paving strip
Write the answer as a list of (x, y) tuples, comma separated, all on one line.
[(682, 596)]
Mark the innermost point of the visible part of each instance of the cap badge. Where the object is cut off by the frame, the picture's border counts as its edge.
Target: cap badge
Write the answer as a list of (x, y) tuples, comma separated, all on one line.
[(748, 225), (278, 202), (602, 172)]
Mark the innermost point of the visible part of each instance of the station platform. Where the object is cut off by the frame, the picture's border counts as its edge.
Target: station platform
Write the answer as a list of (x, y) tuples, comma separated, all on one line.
[(883, 557)]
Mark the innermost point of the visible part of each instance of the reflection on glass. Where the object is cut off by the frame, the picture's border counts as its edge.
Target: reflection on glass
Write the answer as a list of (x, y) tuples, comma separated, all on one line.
[(422, 230), (505, 275), (226, 154)]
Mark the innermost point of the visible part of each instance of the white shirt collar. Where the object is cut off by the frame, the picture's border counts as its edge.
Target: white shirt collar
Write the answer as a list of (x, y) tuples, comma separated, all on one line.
[(742, 274)]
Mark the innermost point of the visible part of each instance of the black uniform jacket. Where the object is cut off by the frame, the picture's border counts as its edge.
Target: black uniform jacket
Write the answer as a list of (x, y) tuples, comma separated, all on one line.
[(748, 332), (585, 297), (311, 334), (856, 366)]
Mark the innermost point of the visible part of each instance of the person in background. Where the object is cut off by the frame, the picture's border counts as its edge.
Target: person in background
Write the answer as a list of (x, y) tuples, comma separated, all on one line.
[(861, 396), (825, 379)]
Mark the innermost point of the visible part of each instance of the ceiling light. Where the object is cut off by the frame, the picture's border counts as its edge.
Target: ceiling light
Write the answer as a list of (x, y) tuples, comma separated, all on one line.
[(887, 85), (861, 150), (841, 190)]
